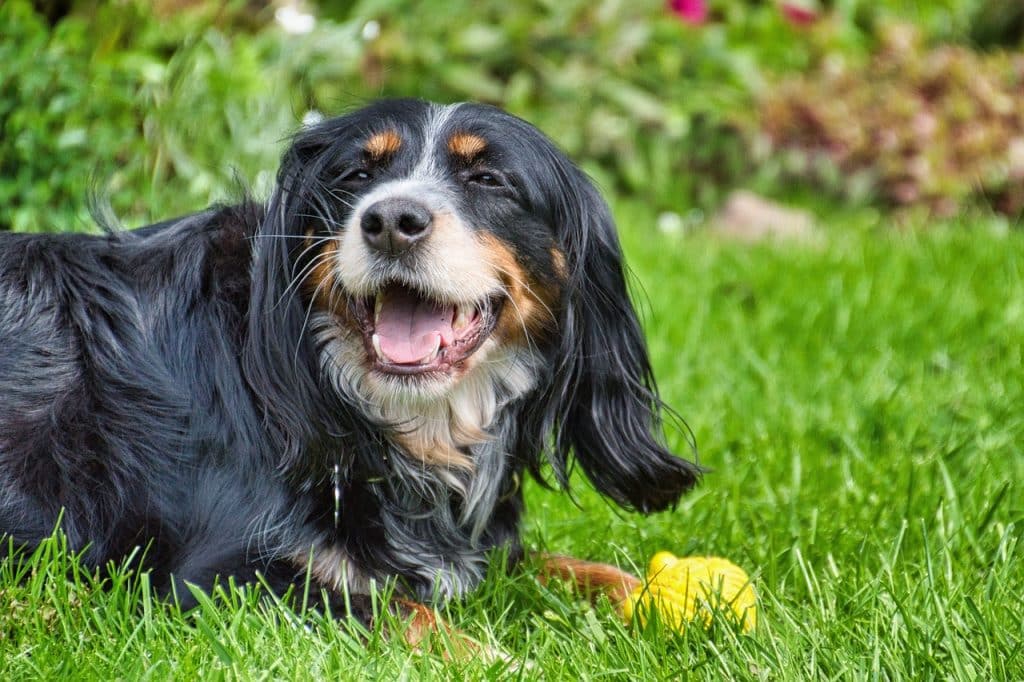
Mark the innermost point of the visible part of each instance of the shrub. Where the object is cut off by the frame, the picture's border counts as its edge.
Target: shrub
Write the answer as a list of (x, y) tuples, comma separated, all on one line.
[(941, 126), (157, 115)]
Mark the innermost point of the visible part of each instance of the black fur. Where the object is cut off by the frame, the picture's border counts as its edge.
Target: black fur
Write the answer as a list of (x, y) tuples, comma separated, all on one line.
[(163, 388)]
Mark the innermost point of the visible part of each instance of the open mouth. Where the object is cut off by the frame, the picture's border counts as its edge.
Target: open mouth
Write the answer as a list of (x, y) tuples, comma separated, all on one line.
[(406, 332)]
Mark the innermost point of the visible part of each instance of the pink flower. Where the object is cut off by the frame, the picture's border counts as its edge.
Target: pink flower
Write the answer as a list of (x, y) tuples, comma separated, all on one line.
[(693, 12), (797, 14)]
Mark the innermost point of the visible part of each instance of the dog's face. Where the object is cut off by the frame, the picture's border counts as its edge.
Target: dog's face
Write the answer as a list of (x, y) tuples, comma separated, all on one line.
[(439, 260), (454, 267)]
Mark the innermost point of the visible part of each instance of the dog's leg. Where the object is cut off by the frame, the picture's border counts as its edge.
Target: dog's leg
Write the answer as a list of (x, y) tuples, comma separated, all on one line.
[(589, 578), (423, 625)]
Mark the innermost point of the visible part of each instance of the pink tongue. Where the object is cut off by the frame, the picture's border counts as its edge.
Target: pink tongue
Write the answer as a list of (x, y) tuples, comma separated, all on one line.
[(409, 326)]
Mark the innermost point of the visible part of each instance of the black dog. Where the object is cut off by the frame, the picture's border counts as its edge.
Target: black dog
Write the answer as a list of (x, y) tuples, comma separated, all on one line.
[(349, 380)]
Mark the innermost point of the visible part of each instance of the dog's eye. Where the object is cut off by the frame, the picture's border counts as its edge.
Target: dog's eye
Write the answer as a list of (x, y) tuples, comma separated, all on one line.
[(486, 179), (357, 176)]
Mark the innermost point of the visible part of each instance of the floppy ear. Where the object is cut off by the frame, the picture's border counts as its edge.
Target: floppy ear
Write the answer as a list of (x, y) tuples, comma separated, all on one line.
[(603, 404), (278, 356)]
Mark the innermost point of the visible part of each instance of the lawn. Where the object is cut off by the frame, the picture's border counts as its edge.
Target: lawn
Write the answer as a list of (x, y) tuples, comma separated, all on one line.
[(858, 403)]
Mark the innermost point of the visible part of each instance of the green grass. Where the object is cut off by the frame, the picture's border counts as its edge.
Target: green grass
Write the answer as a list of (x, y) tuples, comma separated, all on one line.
[(858, 402)]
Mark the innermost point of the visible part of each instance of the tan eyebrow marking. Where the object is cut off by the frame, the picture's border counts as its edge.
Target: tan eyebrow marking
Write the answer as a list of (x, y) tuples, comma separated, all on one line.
[(466, 145), (383, 144)]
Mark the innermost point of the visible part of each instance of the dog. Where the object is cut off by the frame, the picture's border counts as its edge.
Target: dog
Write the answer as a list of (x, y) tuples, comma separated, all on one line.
[(345, 384)]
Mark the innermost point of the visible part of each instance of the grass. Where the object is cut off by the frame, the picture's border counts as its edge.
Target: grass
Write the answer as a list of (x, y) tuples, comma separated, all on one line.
[(858, 402)]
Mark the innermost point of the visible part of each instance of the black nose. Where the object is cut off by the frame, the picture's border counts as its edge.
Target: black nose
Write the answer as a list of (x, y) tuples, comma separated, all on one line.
[(393, 226)]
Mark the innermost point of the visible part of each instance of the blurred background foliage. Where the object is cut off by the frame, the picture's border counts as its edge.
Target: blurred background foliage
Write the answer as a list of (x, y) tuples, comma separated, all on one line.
[(162, 107)]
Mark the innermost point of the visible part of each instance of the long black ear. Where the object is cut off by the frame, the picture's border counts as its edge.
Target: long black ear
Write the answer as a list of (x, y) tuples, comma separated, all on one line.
[(278, 357), (603, 404)]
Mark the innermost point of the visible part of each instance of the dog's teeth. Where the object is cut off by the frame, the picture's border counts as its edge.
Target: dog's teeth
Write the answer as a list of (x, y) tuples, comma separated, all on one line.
[(376, 345), (432, 355), (378, 303), (463, 314)]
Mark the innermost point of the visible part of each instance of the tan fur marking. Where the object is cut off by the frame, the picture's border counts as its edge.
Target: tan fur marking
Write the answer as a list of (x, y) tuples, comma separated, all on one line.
[(383, 144), (421, 622), (426, 630), (321, 284), (561, 268), (466, 145), (589, 578), (529, 308), (439, 451)]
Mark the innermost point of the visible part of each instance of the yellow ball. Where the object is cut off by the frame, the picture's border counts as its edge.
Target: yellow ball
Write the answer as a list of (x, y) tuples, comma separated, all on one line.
[(693, 589)]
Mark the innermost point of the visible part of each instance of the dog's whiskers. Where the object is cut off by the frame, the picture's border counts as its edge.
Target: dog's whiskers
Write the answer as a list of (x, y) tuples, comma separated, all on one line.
[(299, 279), (309, 312), (299, 237), (519, 314)]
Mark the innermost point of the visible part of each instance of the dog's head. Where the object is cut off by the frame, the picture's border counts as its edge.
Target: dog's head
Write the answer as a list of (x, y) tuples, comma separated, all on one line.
[(449, 265)]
